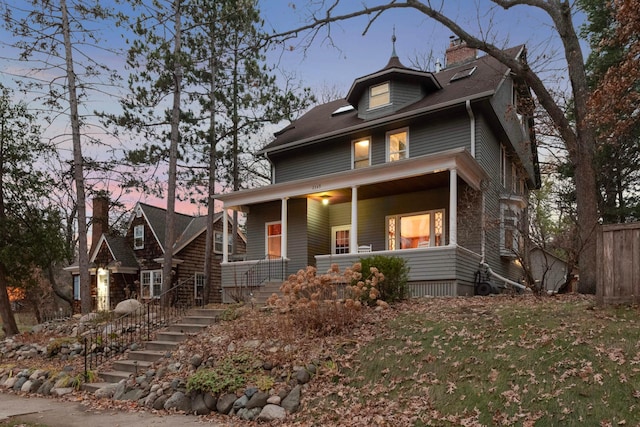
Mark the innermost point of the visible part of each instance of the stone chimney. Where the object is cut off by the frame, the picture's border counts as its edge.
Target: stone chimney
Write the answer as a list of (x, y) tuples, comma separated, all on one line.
[(458, 53), (100, 222)]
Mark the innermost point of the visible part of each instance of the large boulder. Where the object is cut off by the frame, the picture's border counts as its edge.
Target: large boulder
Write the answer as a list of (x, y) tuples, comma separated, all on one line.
[(127, 306)]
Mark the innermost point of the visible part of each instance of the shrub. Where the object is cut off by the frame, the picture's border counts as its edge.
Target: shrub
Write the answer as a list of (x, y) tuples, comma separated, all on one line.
[(231, 374), (325, 304), (395, 273)]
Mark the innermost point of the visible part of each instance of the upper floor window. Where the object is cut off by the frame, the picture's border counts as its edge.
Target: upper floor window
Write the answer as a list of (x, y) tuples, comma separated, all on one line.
[(217, 242), (397, 145), (415, 230), (361, 153), (514, 178), (138, 236), (379, 95), (274, 239)]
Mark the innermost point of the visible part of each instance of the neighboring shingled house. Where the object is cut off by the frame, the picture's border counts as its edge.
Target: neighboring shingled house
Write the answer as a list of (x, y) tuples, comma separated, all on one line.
[(431, 167), (130, 266)]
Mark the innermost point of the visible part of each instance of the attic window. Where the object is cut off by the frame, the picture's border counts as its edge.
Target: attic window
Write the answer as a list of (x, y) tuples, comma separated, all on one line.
[(463, 74), (343, 109), (379, 95)]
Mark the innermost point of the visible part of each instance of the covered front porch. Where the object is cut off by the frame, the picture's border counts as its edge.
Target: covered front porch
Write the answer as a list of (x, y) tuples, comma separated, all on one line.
[(408, 208)]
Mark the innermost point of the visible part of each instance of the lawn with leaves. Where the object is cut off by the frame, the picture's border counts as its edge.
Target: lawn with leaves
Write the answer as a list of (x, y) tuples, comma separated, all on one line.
[(503, 360)]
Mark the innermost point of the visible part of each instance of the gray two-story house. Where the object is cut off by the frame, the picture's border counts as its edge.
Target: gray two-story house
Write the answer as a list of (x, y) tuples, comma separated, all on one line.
[(433, 167)]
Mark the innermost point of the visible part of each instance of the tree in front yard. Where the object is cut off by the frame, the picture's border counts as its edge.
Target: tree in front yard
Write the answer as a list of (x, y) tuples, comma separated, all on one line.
[(30, 234)]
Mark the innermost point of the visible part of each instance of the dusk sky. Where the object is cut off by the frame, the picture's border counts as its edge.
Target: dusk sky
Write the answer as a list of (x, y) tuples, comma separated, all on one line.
[(320, 64)]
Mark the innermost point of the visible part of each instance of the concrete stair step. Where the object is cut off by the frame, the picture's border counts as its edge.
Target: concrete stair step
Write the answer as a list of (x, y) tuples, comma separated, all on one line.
[(146, 355), (206, 312), (132, 366), (200, 320), (187, 328), (171, 336), (92, 387), (161, 345), (114, 376)]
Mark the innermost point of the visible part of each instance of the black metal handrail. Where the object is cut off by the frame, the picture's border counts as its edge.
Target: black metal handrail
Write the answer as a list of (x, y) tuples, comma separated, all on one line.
[(107, 340), (265, 270)]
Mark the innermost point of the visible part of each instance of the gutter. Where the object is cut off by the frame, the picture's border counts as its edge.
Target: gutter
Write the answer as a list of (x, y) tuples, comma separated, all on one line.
[(376, 122)]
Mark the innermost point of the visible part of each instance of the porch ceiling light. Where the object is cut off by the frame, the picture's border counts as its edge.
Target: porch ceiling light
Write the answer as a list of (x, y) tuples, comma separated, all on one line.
[(325, 199)]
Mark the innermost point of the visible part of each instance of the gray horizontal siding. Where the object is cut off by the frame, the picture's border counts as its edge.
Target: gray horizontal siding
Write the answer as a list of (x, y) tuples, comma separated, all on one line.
[(427, 264), (440, 135), (315, 160)]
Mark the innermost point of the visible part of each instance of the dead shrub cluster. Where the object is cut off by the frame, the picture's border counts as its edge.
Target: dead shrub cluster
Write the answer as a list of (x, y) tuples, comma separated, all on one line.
[(326, 304)]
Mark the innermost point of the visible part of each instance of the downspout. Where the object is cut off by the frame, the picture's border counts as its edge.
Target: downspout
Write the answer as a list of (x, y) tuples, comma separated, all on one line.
[(502, 278), (472, 129), (472, 123)]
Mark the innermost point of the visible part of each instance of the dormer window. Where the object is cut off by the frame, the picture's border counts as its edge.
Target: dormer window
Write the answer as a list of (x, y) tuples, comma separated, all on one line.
[(379, 95)]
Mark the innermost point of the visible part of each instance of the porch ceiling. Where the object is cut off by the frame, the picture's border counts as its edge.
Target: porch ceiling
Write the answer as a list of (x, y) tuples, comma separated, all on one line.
[(386, 188), (389, 178)]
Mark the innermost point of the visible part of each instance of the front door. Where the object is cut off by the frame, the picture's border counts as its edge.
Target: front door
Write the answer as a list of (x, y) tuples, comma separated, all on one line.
[(103, 290)]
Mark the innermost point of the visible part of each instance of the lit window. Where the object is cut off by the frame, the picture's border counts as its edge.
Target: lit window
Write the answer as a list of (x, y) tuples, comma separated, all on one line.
[(151, 283), (274, 239), (217, 242), (418, 230), (340, 241), (379, 95), (138, 236), (397, 145), (361, 156)]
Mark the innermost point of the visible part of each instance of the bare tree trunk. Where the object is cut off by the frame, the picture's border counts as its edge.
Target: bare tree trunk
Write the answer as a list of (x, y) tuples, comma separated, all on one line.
[(208, 251), (78, 167), (167, 276)]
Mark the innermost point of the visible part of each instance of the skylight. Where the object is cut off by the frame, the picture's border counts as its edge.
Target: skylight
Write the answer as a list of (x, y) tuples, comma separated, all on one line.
[(343, 109), (463, 74)]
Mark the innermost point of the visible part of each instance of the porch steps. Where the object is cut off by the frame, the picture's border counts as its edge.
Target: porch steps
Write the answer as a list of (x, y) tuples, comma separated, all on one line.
[(166, 342), (262, 294)]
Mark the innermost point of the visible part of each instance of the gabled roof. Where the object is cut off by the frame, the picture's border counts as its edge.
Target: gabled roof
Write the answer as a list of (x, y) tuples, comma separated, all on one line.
[(121, 253), (319, 123), (155, 217)]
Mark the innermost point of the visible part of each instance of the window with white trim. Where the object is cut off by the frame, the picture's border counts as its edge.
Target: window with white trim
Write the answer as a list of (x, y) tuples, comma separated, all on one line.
[(511, 239), (416, 230), (361, 153), (198, 286), (138, 237), (514, 178), (340, 239), (218, 237), (397, 144), (273, 239), (379, 95), (503, 165), (151, 284)]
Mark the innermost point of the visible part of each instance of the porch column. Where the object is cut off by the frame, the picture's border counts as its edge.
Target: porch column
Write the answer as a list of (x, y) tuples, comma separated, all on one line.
[(284, 226), (225, 235), (453, 207), (353, 235)]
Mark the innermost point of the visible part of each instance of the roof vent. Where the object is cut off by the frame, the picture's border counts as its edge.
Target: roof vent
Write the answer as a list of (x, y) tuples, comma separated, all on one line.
[(343, 109), (463, 74)]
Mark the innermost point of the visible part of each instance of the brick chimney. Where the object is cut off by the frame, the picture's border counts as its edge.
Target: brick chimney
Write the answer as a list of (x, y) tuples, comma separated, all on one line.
[(100, 222), (458, 53)]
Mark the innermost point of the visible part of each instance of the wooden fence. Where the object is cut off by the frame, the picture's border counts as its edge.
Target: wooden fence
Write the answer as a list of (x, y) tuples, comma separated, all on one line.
[(618, 269)]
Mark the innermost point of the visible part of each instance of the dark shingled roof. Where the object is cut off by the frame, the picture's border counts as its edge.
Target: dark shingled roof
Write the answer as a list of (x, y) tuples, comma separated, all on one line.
[(155, 216), (121, 251), (319, 123)]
